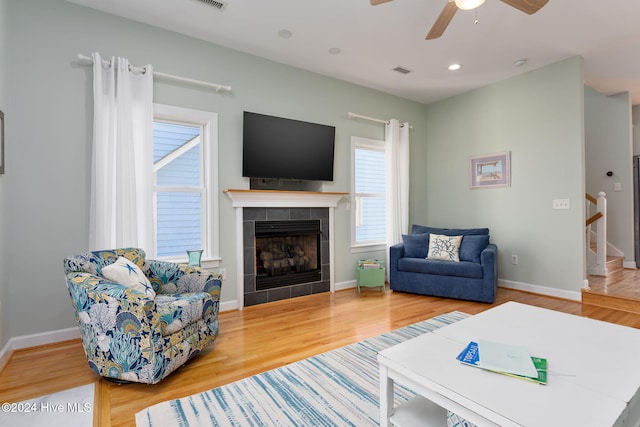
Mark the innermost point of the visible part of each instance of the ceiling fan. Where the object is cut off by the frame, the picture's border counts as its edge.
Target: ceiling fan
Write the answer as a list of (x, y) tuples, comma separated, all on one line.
[(527, 6)]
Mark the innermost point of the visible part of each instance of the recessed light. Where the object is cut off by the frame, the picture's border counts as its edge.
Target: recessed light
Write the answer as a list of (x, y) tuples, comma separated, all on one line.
[(454, 67), (334, 50), (285, 34), (520, 62)]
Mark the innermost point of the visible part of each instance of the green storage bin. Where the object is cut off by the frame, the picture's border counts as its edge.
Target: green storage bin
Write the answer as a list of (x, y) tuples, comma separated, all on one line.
[(371, 273)]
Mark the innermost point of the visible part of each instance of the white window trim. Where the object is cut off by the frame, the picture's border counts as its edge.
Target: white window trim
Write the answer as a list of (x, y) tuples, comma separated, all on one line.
[(209, 122), (176, 153), (371, 144)]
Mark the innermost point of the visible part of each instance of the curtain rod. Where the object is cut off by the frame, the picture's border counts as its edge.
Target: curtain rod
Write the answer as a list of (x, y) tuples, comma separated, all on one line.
[(358, 116), (372, 119), (165, 76)]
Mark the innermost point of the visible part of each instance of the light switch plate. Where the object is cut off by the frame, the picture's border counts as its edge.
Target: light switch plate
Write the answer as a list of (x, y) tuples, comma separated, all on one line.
[(561, 204)]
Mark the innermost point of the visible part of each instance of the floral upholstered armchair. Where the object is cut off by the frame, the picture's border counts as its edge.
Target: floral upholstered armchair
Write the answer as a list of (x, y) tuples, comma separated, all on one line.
[(141, 319)]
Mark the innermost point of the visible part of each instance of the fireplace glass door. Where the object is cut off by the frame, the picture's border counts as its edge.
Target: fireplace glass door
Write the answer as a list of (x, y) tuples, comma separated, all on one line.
[(287, 253)]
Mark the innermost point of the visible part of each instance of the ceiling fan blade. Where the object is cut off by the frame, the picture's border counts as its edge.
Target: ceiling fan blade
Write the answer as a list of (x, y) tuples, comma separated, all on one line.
[(527, 6), (377, 2), (443, 20)]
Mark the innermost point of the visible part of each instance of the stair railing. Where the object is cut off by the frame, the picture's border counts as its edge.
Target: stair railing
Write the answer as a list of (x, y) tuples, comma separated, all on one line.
[(597, 265)]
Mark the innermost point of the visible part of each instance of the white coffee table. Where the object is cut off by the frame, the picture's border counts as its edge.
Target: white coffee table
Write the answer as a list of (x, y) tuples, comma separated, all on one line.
[(593, 380)]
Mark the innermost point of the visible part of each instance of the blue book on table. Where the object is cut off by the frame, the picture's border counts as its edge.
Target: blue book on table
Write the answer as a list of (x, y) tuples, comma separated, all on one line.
[(471, 356)]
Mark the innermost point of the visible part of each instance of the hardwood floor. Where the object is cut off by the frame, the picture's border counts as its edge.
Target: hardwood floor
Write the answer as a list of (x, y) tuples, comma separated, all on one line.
[(620, 291), (254, 340)]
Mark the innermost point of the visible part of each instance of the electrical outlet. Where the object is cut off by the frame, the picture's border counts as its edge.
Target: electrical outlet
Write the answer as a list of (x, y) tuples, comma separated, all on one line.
[(514, 259), (223, 273)]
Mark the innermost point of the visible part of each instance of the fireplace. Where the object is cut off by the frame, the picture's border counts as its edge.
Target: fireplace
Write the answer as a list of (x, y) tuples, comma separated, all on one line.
[(270, 205), (287, 253)]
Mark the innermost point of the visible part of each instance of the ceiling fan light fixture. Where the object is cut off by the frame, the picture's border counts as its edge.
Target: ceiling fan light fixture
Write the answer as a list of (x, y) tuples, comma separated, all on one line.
[(468, 4)]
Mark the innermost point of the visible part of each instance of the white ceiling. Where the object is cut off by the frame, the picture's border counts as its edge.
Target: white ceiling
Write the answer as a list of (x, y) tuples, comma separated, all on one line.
[(375, 39)]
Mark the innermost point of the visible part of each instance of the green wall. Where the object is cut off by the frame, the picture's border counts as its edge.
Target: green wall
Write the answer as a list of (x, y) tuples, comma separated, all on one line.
[(538, 117), (49, 149)]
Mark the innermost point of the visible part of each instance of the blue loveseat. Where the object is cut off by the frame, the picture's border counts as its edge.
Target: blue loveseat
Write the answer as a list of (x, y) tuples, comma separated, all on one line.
[(474, 277)]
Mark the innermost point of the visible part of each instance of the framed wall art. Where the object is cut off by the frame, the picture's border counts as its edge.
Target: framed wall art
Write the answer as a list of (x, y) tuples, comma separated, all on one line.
[(492, 170)]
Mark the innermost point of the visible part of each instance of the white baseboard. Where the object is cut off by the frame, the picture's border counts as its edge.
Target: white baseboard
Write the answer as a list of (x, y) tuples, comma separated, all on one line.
[(43, 338), (349, 284), (542, 290), (629, 264), (33, 340), (229, 305), (5, 355)]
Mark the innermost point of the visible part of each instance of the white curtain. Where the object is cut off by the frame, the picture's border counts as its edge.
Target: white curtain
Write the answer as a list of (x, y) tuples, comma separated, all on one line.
[(397, 179), (121, 213)]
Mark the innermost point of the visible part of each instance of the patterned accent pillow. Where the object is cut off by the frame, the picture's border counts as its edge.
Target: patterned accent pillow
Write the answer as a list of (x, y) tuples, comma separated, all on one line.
[(444, 248), (128, 274)]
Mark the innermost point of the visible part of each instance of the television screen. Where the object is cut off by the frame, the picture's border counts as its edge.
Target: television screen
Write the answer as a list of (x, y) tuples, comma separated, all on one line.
[(279, 148)]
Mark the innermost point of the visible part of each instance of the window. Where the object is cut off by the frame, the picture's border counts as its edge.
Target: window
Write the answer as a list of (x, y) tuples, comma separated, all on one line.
[(185, 151), (368, 204)]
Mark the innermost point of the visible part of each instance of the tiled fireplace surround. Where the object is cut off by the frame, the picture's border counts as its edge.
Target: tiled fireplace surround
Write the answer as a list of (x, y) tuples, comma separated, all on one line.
[(253, 205), (250, 216)]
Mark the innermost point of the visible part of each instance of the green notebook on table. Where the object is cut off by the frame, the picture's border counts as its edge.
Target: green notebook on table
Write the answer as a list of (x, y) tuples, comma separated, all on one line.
[(471, 356)]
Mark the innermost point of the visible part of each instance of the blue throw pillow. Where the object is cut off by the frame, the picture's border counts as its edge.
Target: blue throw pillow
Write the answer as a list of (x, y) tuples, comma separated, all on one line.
[(416, 245), (472, 246)]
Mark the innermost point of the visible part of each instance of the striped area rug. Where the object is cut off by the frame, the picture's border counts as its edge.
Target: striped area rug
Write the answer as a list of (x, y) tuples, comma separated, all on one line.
[(336, 388)]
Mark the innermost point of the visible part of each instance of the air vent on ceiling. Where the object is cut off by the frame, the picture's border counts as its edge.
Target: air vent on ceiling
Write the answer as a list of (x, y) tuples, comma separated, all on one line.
[(220, 5), (401, 70)]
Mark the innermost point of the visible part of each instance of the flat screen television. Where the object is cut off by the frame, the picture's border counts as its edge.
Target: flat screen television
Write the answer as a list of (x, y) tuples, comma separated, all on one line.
[(279, 148)]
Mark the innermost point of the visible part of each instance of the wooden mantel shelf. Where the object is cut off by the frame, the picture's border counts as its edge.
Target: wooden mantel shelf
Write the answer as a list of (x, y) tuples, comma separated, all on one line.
[(283, 198)]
